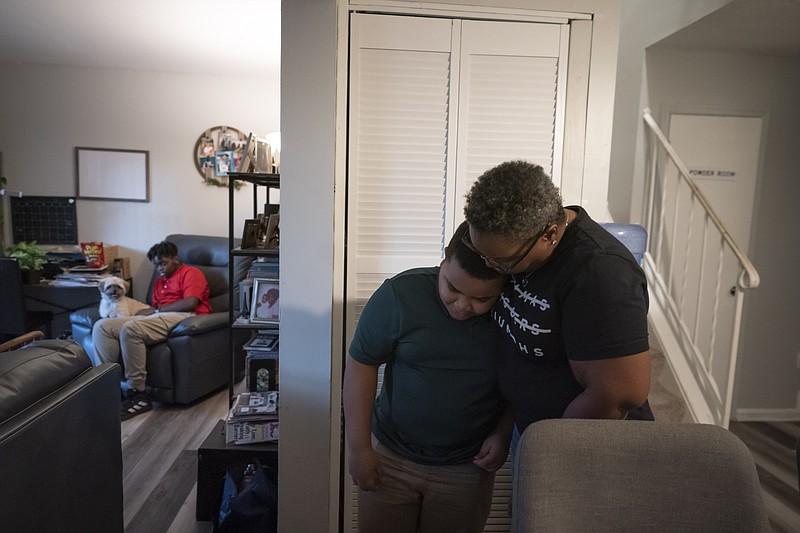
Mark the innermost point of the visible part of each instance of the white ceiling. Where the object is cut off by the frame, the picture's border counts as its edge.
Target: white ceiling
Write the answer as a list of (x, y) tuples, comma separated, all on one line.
[(197, 36), (769, 27), (243, 36)]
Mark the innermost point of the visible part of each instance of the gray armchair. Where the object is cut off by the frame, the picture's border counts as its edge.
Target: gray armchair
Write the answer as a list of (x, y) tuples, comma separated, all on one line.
[(630, 475), (195, 360)]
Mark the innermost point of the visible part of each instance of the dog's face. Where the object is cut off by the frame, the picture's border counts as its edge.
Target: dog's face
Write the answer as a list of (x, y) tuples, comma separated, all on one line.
[(113, 288)]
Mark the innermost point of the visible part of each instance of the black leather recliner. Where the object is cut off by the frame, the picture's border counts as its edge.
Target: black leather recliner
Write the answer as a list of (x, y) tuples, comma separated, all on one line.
[(15, 320), (60, 441), (195, 360)]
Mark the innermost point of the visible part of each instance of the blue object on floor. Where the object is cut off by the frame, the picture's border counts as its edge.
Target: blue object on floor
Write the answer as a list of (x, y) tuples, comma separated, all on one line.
[(633, 236)]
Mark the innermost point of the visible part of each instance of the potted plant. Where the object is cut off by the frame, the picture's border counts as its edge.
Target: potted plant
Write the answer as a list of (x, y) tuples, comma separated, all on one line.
[(31, 260)]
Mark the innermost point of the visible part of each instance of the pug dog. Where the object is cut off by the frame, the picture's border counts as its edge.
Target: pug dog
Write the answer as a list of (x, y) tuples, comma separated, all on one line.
[(113, 302)]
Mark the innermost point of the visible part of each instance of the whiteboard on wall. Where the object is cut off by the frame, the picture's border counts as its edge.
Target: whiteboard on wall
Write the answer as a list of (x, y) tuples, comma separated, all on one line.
[(109, 174)]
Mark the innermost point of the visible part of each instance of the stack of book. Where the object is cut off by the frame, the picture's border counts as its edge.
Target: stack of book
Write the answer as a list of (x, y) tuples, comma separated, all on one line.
[(81, 276), (253, 418), (264, 267), (261, 362)]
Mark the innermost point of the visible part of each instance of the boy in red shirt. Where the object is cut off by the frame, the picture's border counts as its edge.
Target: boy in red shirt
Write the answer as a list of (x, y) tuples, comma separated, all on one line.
[(180, 291)]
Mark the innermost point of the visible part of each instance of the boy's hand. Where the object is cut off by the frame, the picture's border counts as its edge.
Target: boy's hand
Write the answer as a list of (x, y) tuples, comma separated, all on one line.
[(365, 469)]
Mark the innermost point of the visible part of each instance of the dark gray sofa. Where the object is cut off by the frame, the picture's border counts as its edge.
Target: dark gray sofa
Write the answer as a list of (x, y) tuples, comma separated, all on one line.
[(60, 451), (195, 360)]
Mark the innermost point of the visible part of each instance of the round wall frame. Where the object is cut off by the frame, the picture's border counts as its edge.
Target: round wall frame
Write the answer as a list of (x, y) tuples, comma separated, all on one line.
[(218, 151)]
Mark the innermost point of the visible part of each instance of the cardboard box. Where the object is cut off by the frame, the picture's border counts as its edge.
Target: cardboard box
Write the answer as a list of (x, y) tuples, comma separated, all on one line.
[(110, 253), (121, 266)]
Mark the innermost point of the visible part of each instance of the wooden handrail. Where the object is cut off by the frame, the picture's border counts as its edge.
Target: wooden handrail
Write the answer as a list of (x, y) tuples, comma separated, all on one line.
[(749, 278)]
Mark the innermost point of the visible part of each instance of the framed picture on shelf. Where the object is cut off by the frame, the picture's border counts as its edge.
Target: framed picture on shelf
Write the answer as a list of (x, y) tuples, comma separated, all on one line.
[(265, 304), (272, 237), (245, 295), (250, 233), (262, 374)]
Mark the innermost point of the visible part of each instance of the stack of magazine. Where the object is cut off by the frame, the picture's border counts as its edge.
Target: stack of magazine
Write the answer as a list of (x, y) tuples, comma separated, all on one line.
[(81, 276), (253, 418)]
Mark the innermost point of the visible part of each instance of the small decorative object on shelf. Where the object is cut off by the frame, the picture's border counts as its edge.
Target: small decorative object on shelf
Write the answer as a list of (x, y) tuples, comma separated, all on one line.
[(261, 368), (262, 155)]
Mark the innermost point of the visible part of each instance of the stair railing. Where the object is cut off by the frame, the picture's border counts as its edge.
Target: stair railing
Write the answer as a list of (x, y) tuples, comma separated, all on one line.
[(697, 275)]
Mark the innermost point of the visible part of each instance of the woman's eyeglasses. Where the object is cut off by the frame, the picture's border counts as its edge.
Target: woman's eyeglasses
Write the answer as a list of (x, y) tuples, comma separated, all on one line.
[(503, 265)]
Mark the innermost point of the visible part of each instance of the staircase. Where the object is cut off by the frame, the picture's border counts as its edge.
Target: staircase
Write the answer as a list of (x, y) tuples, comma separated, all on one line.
[(698, 277)]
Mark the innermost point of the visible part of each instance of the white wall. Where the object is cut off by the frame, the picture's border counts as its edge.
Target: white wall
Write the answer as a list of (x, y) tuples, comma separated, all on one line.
[(46, 111), (310, 364), (767, 382), (643, 23)]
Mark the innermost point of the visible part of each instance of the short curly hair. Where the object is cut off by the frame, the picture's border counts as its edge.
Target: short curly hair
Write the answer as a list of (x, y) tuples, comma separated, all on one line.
[(162, 249), (515, 198)]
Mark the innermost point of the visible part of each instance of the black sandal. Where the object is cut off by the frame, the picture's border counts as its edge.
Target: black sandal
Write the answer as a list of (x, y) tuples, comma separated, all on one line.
[(139, 403)]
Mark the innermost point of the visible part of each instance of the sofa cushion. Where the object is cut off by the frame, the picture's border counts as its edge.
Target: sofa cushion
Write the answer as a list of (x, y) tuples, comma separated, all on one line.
[(37, 370)]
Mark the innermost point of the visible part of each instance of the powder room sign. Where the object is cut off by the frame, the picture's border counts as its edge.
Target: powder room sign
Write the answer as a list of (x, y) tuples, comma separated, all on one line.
[(712, 173)]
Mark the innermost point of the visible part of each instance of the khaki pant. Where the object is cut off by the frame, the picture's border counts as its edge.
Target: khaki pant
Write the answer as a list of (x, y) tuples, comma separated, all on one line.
[(130, 337), (415, 498)]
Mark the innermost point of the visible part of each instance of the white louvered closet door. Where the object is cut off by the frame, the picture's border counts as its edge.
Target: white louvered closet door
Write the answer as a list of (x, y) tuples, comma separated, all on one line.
[(433, 102), (511, 99), (398, 145)]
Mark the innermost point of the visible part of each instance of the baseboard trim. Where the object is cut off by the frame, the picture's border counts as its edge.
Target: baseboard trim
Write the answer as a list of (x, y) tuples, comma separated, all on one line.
[(767, 415)]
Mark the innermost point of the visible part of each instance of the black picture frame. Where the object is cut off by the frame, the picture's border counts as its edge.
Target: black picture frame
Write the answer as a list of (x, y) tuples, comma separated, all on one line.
[(250, 233), (261, 381)]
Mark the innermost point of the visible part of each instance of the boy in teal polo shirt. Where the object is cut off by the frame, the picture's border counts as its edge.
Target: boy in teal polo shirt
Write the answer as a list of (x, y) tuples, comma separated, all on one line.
[(440, 426)]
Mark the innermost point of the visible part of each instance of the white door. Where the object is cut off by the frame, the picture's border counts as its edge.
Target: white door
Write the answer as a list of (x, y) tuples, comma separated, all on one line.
[(722, 156), (511, 99)]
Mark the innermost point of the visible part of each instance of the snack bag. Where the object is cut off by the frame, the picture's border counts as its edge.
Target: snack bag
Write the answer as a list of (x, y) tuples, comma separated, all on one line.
[(93, 254)]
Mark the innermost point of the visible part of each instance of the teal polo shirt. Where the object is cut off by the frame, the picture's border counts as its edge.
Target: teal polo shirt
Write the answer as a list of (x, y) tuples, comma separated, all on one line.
[(439, 399)]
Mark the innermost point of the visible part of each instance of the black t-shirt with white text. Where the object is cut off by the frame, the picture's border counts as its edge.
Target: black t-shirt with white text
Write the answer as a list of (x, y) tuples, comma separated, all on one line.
[(588, 302)]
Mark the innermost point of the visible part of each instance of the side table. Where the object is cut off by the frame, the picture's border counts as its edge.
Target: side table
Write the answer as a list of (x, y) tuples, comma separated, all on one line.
[(213, 459)]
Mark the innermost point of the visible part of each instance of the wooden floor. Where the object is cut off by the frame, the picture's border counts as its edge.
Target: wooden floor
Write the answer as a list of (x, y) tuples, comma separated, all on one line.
[(159, 458), (773, 446), (159, 451)]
